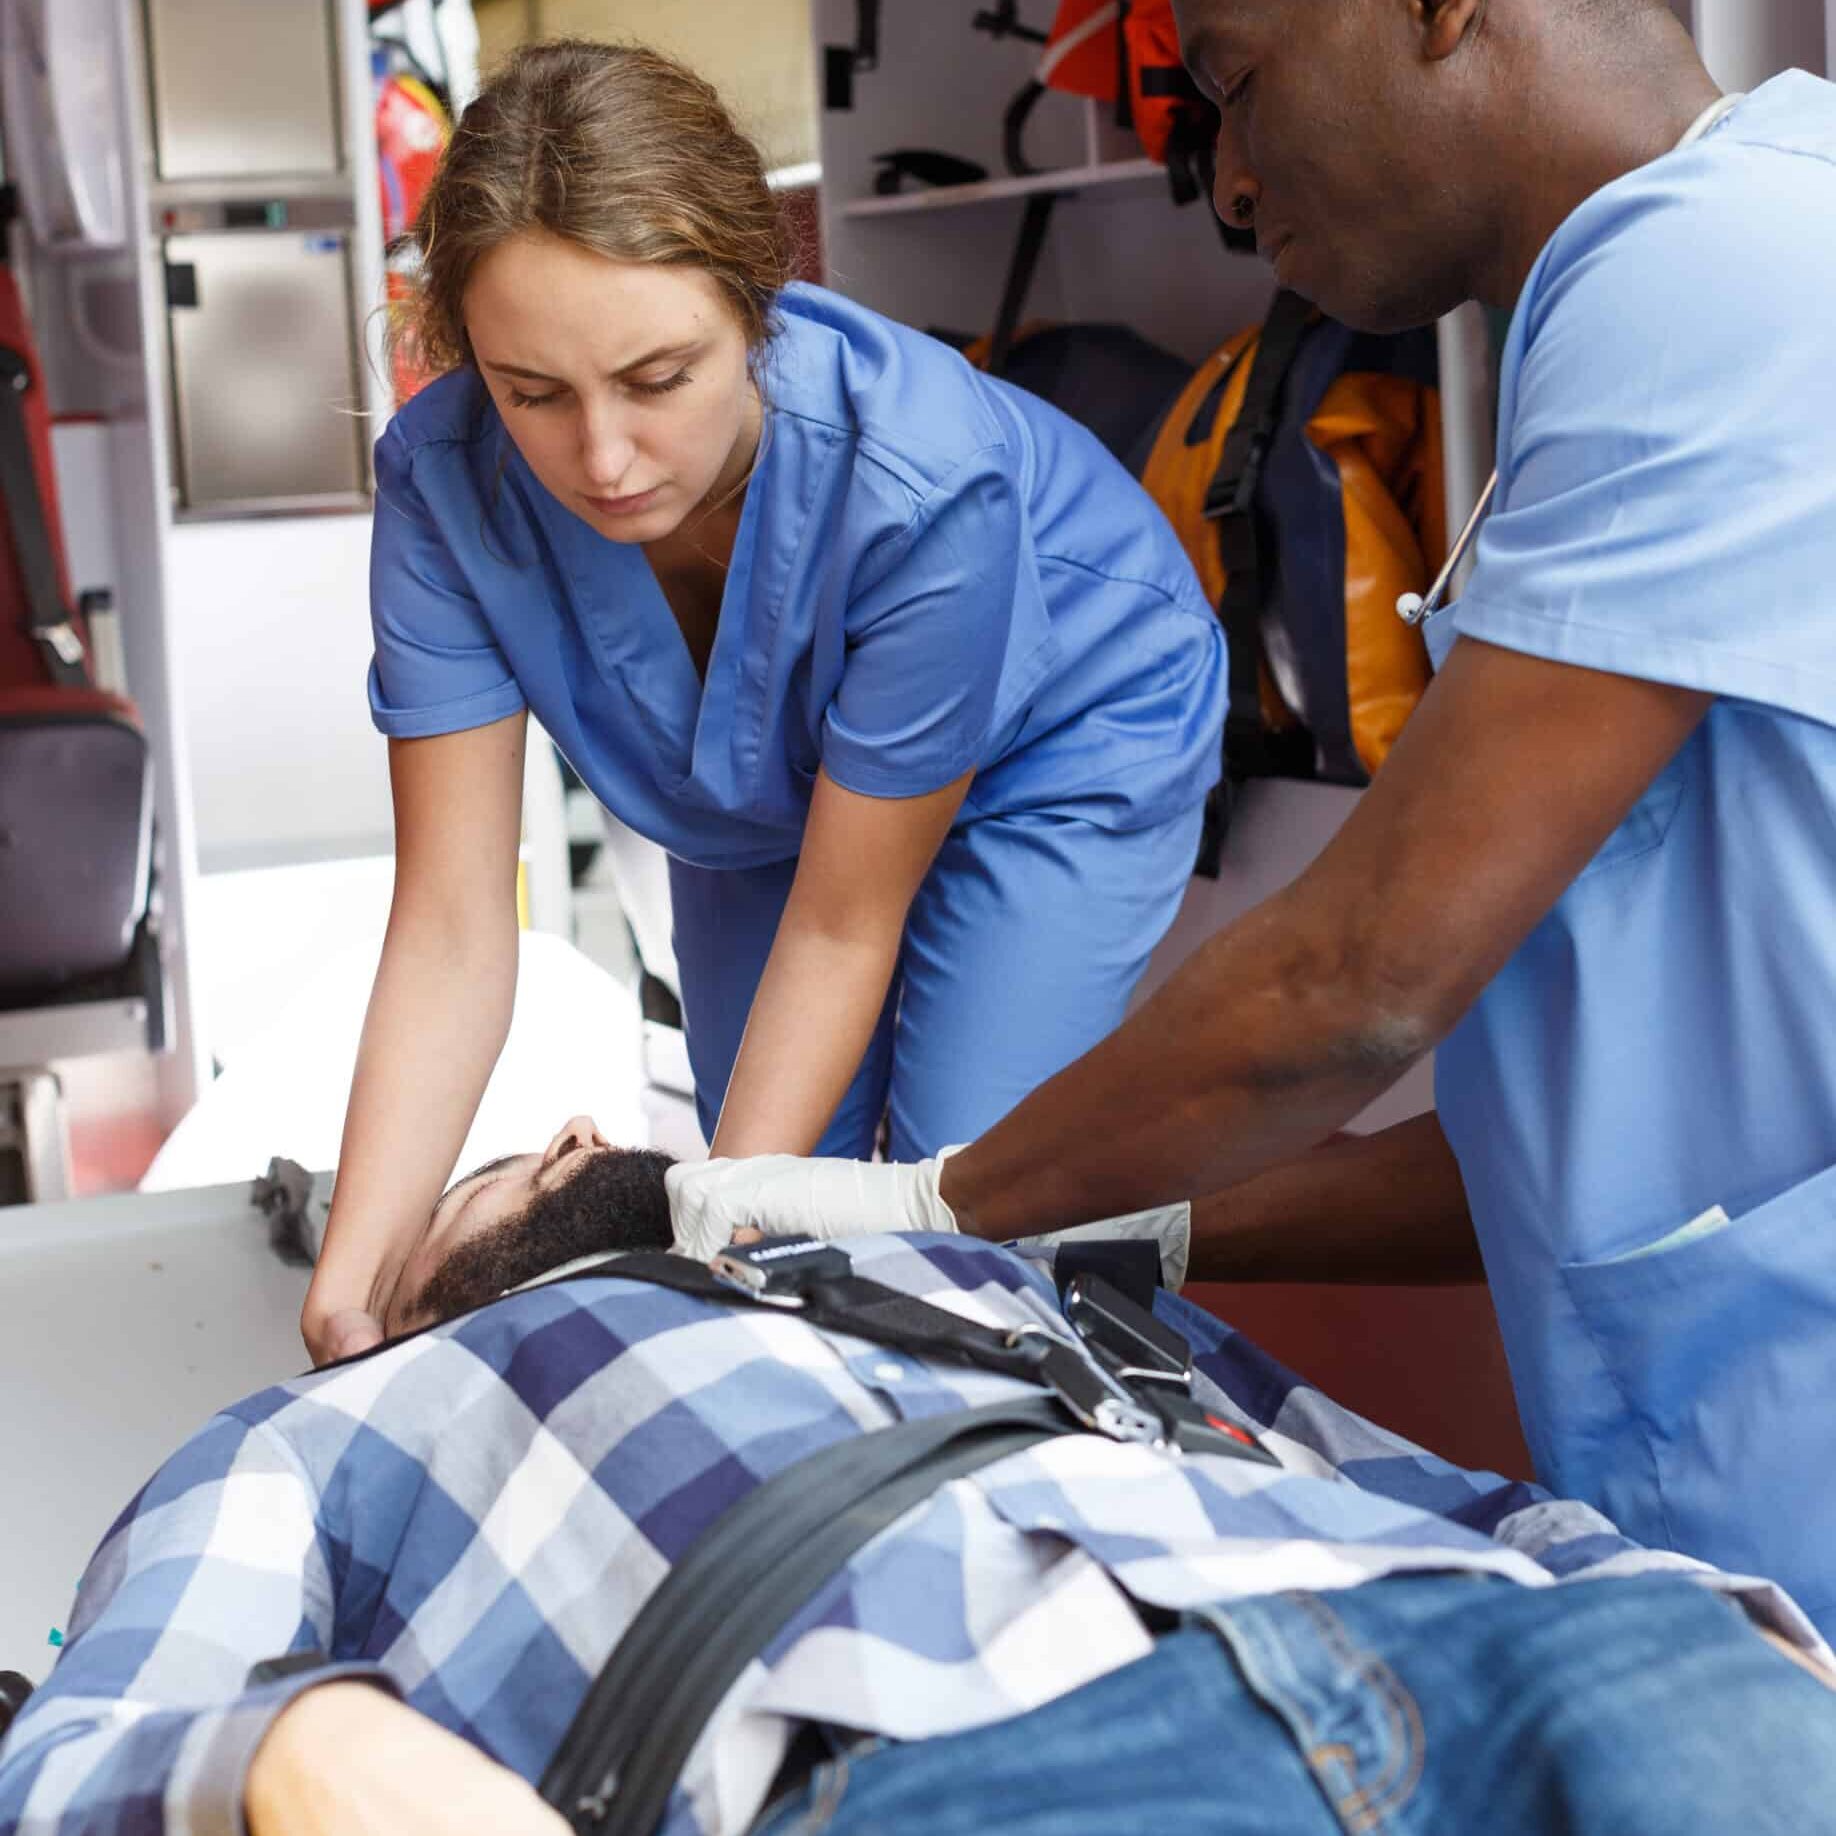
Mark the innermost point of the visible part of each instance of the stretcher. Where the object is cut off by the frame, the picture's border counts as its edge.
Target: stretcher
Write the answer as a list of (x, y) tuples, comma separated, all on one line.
[(124, 1323)]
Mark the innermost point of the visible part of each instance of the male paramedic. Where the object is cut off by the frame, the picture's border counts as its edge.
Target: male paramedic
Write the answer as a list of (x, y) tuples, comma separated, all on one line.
[(374, 1598), (1598, 874)]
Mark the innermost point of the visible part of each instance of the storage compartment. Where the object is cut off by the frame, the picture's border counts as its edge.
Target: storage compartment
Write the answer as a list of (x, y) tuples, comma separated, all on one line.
[(264, 368), (243, 88)]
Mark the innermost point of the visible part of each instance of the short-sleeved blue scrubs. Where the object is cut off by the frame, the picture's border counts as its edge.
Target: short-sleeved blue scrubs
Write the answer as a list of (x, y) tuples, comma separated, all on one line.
[(933, 574), (1665, 1042)]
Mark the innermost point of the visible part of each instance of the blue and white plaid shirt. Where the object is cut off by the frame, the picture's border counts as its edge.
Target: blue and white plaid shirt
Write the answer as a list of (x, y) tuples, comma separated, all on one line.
[(473, 1517)]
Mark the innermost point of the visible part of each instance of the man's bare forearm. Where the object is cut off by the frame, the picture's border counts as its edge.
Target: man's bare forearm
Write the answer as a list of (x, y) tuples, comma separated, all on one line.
[(1265, 1040), (1510, 775), (1388, 1207)]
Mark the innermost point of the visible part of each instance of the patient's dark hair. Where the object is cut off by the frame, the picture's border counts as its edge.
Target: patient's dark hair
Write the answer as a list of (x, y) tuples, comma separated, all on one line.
[(613, 1201)]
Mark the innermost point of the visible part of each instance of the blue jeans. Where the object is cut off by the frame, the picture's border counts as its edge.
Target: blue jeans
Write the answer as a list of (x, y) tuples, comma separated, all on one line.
[(1435, 1706)]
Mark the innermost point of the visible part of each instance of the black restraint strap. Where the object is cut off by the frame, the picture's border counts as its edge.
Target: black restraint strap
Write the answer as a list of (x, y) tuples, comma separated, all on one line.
[(1019, 284), (852, 1304), (1242, 530), (746, 1577), (47, 620)]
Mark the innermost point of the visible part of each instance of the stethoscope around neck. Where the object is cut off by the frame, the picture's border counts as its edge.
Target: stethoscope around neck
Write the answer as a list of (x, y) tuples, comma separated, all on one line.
[(1417, 608)]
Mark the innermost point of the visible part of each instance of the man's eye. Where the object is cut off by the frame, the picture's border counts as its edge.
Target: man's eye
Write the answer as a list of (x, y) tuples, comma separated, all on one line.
[(519, 400), (663, 388)]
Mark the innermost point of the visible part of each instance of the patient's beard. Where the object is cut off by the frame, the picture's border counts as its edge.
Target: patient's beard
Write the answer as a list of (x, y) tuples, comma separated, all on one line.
[(613, 1201)]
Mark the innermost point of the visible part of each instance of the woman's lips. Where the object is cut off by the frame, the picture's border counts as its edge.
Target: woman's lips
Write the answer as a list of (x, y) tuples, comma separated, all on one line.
[(625, 506)]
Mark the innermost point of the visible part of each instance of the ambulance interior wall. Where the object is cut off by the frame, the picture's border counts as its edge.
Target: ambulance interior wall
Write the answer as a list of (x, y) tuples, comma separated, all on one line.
[(1118, 252), (752, 51)]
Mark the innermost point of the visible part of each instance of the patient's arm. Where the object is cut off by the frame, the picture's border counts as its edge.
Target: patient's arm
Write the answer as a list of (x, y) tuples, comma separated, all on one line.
[(345, 1761), (1388, 1207), (148, 1721)]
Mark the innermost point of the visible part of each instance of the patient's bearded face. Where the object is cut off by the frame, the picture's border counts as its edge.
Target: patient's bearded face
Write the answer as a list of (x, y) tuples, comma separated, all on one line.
[(517, 1218)]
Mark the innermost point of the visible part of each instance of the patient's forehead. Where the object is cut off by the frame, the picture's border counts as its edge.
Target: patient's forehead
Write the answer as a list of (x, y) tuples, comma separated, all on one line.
[(470, 1206)]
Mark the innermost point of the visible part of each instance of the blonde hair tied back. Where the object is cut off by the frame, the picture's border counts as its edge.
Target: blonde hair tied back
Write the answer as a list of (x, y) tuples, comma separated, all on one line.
[(614, 147)]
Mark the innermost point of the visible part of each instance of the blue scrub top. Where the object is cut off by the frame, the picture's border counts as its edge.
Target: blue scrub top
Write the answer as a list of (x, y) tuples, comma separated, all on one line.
[(934, 572), (1665, 1041)]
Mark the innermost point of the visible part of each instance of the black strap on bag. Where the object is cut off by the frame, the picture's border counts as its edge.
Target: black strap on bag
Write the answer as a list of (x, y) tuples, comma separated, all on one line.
[(1244, 546), (1019, 282), (1243, 539), (47, 619)]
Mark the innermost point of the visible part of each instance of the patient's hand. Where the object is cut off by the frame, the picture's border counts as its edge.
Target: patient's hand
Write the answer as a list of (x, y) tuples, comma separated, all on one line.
[(346, 1759)]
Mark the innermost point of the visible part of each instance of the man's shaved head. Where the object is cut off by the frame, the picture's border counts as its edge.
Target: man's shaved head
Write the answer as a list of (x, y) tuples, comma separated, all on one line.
[(611, 1200), (1398, 157)]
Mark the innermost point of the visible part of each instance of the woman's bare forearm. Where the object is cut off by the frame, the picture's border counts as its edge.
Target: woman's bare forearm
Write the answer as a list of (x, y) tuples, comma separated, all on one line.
[(811, 1021), (437, 1020)]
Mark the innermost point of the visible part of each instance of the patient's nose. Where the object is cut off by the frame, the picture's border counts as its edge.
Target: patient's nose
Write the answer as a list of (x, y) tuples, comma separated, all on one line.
[(575, 1133)]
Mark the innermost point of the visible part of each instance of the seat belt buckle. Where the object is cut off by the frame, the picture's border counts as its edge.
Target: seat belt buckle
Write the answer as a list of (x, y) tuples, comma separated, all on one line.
[(781, 1270), (1196, 1429), (1137, 1347), (63, 639), (1093, 1398)]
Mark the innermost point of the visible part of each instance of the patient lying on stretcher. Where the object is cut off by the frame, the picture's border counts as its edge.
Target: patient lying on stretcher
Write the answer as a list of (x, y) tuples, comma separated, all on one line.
[(375, 1596), (511, 1220)]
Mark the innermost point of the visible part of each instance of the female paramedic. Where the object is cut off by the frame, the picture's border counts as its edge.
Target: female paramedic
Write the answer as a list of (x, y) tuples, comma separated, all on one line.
[(909, 677), (1598, 872)]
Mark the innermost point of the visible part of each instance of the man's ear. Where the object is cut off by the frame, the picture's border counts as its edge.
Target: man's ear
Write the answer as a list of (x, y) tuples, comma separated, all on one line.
[(1444, 24)]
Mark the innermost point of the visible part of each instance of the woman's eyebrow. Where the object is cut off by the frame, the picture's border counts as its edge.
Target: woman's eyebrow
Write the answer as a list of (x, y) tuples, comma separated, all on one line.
[(658, 355), (515, 369)]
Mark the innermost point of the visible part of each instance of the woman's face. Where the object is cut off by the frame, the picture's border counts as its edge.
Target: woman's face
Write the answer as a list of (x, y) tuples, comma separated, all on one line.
[(625, 386)]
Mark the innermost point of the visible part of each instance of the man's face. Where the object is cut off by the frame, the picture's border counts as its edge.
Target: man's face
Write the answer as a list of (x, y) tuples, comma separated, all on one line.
[(1328, 130), (489, 1197)]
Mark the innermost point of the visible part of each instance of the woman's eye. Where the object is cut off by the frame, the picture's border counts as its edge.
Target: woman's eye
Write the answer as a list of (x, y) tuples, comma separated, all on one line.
[(663, 388), (519, 400)]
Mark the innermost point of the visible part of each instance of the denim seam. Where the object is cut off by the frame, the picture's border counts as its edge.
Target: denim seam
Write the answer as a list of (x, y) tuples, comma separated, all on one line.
[(827, 1787), (1369, 1806)]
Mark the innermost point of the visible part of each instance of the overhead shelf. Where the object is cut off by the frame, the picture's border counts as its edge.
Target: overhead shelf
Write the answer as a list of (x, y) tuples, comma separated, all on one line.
[(993, 191)]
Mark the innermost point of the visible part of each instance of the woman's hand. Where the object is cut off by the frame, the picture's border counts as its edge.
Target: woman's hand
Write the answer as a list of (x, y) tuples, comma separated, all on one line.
[(346, 1759), (341, 1333)]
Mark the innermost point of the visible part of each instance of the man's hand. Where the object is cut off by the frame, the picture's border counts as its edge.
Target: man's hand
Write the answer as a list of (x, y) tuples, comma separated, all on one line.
[(347, 1759), (785, 1195)]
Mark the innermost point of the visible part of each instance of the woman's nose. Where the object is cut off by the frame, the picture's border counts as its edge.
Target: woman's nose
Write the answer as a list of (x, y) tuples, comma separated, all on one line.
[(606, 451)]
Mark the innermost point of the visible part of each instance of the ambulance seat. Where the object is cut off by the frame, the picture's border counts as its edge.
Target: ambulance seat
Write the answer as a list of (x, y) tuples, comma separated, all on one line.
[(79, 957)]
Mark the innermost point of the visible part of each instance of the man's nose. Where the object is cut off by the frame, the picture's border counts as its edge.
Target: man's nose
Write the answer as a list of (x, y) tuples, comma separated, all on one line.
[(574, 1135), (1235, 191), (1235, 198)]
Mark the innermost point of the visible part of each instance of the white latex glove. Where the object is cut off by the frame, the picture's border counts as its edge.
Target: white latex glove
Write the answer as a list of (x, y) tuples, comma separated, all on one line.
[(786, 1195)]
